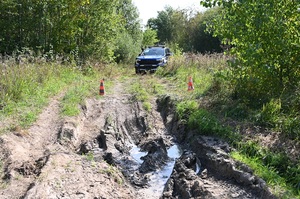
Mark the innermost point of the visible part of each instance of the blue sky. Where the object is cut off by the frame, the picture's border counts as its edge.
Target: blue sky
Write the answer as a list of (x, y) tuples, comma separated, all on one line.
[(149, 8)]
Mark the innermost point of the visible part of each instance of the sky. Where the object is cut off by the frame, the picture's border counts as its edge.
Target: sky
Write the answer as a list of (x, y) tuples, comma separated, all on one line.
[(149, 8)]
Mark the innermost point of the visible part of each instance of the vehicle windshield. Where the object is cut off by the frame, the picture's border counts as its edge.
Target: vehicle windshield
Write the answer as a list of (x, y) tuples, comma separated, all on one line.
[(154, 51)]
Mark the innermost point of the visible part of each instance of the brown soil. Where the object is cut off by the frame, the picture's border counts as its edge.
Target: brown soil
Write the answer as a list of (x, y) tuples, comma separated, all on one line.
[(88, 156)]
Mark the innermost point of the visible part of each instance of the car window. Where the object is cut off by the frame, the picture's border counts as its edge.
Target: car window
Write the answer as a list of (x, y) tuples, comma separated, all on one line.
[(154, 51)]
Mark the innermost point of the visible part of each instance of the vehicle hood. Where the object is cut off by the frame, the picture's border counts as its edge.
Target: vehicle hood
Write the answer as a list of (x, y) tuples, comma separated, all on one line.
[(150, 57)]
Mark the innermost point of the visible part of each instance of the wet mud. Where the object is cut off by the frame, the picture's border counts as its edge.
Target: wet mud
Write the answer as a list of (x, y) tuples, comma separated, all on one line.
[(115, 149)]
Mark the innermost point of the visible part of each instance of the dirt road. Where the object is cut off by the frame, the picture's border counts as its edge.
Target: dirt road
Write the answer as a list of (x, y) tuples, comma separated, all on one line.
[(115, 149)]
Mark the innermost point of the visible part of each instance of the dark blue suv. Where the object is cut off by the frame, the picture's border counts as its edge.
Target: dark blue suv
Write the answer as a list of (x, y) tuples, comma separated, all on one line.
[(151, 58)]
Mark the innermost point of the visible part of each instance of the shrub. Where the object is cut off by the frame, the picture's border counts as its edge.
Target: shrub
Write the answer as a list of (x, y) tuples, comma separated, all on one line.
[(207, 124), (186, 108), (270, 113)]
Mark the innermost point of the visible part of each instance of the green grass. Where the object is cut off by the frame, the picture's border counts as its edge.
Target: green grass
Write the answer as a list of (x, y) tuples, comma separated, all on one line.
[(270, 175), (205, 110), (185, 108), (113, 172), (201, 68), (139, 92), (25, 93), (145, 88), (26, 89), (82, 88), (284, 172)]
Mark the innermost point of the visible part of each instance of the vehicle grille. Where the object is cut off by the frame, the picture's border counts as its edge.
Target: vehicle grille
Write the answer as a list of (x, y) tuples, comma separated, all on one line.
[(148, 61)]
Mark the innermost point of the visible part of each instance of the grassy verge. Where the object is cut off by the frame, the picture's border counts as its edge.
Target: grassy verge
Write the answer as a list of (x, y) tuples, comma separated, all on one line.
[(26, 89), (81, 88), (277, 183), (144, 88), (213, 102)]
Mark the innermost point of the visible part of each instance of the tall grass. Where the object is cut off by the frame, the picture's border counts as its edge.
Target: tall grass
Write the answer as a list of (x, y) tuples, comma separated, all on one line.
[(83, 87), (144, 88), (213, 100), (26, 86), (200, 67), (270, 175)]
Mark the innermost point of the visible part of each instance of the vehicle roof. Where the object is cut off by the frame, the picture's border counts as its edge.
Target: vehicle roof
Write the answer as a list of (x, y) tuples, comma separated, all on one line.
[(160, 46)]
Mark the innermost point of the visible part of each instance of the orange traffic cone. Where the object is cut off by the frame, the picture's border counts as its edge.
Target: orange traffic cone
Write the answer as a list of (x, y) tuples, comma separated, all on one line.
[(190, 84), (102, 90)]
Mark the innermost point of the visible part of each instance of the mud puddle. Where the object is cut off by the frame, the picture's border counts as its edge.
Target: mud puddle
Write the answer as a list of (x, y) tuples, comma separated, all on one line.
[(158, 178)]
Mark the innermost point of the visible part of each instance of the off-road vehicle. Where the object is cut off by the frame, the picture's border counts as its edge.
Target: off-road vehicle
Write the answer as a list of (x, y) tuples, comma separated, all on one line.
[(151, 58)]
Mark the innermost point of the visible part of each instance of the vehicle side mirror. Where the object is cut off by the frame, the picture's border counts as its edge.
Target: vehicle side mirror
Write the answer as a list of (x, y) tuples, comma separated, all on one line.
[(169, 54)]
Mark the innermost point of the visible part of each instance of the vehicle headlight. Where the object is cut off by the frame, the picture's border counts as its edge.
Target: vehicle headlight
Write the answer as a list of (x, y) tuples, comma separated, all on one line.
[(160, 60), (137, 61)]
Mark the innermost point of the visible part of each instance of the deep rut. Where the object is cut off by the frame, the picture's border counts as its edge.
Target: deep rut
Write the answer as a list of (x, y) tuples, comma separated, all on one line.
[(90, 156)]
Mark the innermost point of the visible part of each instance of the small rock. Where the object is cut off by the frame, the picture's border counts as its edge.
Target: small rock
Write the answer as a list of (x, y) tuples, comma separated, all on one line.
[(235, 195), (204, 174)]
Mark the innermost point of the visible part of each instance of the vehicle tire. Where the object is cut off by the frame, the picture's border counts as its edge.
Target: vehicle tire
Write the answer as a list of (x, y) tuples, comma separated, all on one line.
[(137, 71)]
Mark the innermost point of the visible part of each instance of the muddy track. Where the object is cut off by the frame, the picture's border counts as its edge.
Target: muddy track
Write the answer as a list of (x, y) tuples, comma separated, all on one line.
[(94, 155)]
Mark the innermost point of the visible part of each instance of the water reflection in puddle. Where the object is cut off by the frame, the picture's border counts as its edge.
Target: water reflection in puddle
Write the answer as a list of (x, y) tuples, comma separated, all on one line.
[(136, 154), (158, 178)]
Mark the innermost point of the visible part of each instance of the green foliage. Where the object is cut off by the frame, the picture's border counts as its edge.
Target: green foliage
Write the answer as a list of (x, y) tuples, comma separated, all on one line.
[(82, 29), (129, 38), (126, 48), (273, 114), (186, 28), (264, 69), (143, 90), (149, 37), (162, 24), (147, 106), (76, 94), (197, 110), (277, 183), (202, 69), (270, 112), (275, 168), (207, 124), (25, 88), (140, 92), (263, 36), (197, 39), (290, 126), (176, 49), (185, 108)]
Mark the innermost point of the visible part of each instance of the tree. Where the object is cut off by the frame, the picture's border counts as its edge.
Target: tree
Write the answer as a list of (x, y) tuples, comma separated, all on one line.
[(129, 38), (264, 35), (162, 24), (149, 37), (185, 28), (199, 39), (87, 28)]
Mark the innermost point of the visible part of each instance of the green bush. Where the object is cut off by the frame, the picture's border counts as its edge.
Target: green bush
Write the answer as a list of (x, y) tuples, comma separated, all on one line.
[(126, 48), (270, 113), (186, 108), (291, 127), (207, 124), (278, 162)]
